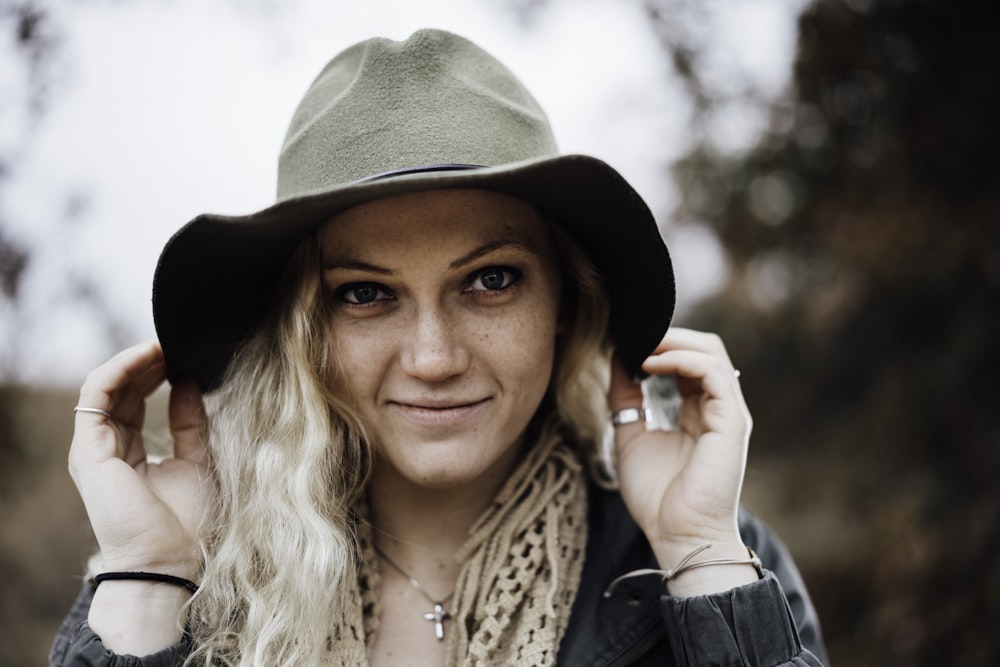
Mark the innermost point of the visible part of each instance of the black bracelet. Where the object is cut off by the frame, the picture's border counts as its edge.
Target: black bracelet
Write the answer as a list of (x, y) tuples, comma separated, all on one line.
[(144, 576)]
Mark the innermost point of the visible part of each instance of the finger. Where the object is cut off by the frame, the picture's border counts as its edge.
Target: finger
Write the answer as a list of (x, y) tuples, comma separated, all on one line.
[(707, 381), (624, 393), (709, 343), (121, 384), (710, 374), (678, 338), (187, 422), (118, 386), (130, 400)]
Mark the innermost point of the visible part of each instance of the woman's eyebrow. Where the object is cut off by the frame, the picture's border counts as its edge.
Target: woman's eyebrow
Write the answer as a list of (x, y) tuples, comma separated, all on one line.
[(355, 264), (487, 249), (361, 265)]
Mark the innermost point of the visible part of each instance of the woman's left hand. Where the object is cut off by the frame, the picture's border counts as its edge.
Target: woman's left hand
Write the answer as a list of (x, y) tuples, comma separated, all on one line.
[(683, 486)]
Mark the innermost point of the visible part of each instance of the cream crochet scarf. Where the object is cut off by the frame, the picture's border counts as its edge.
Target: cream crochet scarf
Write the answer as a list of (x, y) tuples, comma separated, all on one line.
[(520, 569)]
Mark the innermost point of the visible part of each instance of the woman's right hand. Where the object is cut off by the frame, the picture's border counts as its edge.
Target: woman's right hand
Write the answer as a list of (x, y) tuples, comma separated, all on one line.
[(145, 516)]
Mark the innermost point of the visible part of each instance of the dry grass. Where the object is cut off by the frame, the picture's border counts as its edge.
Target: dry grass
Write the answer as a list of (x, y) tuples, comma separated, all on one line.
[(45, 537)]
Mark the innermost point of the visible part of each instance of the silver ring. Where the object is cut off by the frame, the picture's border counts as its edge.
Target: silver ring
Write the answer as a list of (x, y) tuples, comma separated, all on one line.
[(96, 411), (736, 373), (628, 416)]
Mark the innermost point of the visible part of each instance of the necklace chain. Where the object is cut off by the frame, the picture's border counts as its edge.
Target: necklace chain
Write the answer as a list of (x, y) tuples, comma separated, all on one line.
[(439, 615)]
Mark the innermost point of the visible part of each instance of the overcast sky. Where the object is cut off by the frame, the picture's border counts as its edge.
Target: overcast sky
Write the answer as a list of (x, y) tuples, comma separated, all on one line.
[(163, 110)]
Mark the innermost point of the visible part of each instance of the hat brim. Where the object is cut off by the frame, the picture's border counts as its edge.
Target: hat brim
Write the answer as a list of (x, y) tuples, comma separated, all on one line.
[(216, 277)]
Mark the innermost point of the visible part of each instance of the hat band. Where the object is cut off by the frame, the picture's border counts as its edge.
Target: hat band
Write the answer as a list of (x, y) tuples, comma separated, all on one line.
[(418, 170)]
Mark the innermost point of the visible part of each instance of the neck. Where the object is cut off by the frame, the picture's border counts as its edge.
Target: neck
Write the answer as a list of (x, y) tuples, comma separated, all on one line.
[(425, 519), (422, 528)]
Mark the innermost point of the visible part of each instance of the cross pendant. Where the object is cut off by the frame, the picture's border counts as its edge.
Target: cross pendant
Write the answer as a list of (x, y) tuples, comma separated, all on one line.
[(438, 616)]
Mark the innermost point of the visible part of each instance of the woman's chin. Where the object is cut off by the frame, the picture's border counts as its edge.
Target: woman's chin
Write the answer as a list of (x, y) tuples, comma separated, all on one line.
[(445, 469)]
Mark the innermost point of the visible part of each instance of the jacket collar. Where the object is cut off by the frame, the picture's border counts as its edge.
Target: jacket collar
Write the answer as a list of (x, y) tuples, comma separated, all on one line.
[(618, 629)]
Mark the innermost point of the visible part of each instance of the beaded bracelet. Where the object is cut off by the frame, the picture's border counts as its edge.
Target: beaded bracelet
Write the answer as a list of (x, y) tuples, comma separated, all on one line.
[(144, 576)]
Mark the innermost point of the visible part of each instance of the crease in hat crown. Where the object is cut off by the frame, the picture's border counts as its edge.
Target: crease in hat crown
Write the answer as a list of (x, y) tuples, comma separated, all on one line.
[(382, 106)]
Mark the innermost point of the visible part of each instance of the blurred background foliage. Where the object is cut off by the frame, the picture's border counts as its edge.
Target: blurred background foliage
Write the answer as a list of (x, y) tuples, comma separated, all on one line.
[(862, 303), (863, 307)]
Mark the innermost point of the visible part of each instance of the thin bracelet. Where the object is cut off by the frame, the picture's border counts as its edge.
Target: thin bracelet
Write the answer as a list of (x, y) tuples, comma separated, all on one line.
[(144, 576), (686, 565)]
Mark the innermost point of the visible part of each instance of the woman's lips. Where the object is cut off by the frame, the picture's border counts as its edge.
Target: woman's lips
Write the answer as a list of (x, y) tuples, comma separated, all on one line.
[(439, 415)]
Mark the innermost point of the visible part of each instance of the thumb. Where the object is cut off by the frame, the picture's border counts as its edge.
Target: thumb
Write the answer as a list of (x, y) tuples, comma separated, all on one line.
[(187, 421), (624, 393)]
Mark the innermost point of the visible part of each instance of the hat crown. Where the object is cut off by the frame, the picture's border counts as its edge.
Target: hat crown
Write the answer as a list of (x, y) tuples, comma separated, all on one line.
[(382, 106)]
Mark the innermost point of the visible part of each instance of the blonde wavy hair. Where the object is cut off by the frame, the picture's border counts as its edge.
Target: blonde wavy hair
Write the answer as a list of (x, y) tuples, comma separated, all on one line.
[(291, 459)]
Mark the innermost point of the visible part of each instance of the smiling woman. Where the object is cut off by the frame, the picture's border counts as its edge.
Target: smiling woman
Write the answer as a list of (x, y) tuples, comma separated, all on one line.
[(409, 365), (444, 308)]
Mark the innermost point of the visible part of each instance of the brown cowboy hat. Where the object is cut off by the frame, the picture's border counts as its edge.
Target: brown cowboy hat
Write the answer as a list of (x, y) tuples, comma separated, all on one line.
[(387, 118)]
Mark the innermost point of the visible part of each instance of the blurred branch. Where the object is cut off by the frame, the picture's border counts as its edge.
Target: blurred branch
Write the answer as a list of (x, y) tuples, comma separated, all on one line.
[(36, 39), (13, 261), (679, 26), (30, 32)]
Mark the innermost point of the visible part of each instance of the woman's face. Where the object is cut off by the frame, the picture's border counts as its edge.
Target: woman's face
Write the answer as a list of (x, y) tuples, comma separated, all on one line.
[(444, 314)]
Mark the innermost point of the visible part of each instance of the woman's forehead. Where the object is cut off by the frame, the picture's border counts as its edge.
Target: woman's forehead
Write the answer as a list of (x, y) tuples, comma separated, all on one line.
[(453, 217)]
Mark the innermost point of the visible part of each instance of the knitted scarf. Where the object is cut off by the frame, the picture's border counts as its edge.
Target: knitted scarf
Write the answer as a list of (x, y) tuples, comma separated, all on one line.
[(520, 569)]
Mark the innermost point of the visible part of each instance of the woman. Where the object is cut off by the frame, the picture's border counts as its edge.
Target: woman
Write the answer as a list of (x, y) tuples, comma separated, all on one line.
[(407, 363)]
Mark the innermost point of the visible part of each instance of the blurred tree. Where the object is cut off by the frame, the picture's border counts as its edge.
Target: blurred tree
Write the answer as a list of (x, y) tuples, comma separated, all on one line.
[(34, 54), (24, 27), (28, 37), (863, 306)]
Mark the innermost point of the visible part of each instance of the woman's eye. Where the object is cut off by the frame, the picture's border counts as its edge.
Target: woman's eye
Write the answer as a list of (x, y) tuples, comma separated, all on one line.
[(495, 278), (361, 293)]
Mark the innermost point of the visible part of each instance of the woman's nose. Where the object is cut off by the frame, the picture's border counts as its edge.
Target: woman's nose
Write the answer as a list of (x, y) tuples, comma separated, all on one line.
[(433, 350)]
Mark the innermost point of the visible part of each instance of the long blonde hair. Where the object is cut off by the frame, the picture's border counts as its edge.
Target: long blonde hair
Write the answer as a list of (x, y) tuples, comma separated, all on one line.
[(291, 458)]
